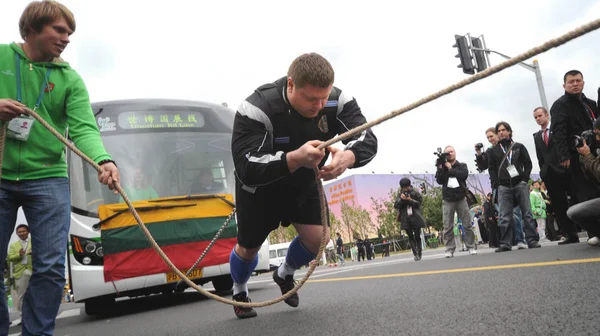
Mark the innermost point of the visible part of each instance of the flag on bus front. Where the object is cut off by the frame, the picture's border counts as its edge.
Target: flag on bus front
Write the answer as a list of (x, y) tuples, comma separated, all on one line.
[(182, 228)]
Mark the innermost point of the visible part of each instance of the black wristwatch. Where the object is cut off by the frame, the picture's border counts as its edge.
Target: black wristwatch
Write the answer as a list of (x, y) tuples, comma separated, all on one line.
[(106, 161)]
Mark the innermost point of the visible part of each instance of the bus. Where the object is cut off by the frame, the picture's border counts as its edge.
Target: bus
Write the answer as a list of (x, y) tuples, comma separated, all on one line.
[(174, 156)]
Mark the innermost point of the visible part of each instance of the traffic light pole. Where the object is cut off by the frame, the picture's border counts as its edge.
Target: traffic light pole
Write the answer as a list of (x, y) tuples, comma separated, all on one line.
[(535, 67)]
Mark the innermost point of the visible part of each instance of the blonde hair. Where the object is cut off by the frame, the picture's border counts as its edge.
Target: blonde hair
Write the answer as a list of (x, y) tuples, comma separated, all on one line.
[(41, 13), (311, 69)]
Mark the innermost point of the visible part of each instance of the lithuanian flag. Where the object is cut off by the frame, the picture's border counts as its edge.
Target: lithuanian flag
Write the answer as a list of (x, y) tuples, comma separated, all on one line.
[(183, 228)]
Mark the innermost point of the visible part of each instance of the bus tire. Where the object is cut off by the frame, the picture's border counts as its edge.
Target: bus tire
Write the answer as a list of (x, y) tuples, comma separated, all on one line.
[(223, 283)]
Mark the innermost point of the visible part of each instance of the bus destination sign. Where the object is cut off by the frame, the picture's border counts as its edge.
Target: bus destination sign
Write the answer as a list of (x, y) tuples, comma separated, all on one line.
[(160, 119)]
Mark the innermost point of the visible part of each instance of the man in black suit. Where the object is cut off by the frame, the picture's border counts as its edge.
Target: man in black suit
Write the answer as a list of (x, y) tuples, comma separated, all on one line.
[(556, 176), (572, 114)]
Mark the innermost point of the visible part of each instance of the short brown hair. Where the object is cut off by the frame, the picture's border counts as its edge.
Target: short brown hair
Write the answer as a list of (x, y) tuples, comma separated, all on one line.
[(541, 108), (491, 129), (41, 13), (312, 69)]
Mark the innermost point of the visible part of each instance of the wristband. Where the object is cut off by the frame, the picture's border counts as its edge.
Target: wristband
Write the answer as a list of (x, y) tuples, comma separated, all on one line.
[(106, 161)]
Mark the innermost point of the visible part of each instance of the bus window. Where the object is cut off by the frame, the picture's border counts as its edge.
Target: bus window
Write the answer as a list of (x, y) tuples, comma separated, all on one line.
[(169, 163)]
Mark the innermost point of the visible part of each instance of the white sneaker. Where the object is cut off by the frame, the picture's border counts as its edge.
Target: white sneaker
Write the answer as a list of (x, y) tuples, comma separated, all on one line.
[(449, 254), (472, 251), (521, 246), (594, 241)]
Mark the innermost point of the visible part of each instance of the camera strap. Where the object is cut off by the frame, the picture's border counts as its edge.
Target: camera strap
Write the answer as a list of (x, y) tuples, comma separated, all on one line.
[(504, 158)]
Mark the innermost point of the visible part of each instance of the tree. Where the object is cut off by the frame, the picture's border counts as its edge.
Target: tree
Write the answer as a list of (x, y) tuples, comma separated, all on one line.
[(386, 214), (336, 225), (282, 235), (432, 208), (356, 219)]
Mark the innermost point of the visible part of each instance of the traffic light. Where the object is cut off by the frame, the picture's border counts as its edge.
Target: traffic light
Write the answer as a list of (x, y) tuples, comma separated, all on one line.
[(478, 54), (464, 54)]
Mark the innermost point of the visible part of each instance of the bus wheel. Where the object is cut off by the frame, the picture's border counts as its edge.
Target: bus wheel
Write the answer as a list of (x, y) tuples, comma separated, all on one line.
[(223, 283), (98, 306)]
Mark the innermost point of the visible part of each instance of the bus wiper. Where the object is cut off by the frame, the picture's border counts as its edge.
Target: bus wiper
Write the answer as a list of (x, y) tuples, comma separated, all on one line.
[(140, 209), (194, 197)]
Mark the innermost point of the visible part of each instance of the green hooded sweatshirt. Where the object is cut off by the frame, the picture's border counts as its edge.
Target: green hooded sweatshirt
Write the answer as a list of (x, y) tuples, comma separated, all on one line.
[(65, 104)]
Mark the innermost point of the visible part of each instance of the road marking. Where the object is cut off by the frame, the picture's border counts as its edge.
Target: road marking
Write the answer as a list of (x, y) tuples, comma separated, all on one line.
[(459, 270), (69, 313)]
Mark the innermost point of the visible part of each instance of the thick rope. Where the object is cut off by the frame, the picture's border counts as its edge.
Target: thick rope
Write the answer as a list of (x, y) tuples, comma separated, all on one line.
[(508, 63), (589, 27)]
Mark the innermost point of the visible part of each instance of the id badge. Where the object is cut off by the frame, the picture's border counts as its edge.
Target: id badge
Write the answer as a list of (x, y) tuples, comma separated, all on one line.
[(452, 182), (19, 128), (409, 210), (512, 171)]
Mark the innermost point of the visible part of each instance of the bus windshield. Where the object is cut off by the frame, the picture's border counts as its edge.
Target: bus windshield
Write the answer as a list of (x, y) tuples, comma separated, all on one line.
[(156, 164)]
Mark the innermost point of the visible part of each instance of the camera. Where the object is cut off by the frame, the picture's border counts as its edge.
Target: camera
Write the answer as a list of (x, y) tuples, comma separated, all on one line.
[(442, 157), (479, 146), (406, 194), (588, 136)]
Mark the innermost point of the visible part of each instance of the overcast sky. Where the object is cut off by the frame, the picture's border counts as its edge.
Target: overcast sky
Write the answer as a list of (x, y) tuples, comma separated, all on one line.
[(387, 54)]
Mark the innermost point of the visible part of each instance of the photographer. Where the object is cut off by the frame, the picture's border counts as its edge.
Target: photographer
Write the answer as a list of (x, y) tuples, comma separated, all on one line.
[(411, 220), (481, 158), (452, 175), (587, 214), (510, 168)]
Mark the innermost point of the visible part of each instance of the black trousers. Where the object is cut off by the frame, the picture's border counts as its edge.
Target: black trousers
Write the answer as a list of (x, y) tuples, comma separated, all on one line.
[(559, 186), (494, 233), (414, 238)]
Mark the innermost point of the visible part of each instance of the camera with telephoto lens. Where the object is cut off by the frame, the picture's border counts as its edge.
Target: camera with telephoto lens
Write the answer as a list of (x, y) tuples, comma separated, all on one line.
[(442, 157), (590, 140)]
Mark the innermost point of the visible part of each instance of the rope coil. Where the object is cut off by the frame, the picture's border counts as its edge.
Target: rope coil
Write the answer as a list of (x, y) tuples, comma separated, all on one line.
[(582, 30)]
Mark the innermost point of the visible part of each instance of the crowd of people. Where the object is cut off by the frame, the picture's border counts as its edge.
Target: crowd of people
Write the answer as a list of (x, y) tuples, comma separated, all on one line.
[(565, 200)]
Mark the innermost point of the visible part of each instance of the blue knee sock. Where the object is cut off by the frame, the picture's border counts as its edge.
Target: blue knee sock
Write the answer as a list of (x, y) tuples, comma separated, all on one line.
[(297, 256), (241, 270)]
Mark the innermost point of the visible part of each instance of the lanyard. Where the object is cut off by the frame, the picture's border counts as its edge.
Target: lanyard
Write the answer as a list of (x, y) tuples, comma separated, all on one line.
[(590, 111), (44, 84), (509, 156)]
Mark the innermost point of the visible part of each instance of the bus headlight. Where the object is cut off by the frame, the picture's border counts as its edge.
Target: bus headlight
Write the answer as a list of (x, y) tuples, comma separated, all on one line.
[(87, 251)]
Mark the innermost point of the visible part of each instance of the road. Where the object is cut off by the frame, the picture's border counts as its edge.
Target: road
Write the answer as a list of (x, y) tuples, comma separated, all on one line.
[(552, 290)]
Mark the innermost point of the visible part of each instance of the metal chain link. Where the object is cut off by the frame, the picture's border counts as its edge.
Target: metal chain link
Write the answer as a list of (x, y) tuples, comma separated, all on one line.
[(212, 242)]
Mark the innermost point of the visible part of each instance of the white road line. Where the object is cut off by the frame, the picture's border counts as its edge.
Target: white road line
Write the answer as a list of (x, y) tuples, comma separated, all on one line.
[(69, 313)]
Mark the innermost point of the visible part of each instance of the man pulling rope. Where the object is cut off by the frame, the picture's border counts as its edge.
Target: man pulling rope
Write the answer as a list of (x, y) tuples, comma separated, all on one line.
[(276, 134)]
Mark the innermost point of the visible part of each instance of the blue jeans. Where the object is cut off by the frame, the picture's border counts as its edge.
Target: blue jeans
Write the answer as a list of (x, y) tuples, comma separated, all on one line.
[(47, 205), (518, 236), (507, 197)]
